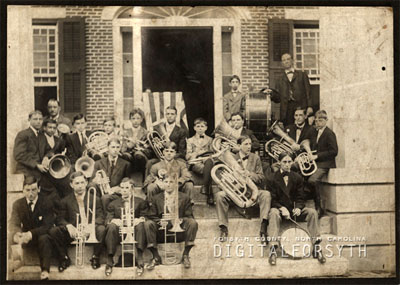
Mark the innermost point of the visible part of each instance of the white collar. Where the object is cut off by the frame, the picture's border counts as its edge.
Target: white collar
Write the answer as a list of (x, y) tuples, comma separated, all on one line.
[(302, 126), (115, 159), (34, 130), (288, 70), (283, 171), (241, 155), (34, 201), (56, 117), (322, 129), (49, 137), (79, 197)]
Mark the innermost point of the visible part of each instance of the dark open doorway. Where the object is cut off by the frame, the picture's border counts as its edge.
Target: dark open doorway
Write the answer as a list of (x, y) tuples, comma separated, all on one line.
[(181, 59)]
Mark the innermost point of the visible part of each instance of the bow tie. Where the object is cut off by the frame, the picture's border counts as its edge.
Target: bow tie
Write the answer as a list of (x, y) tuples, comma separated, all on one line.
[(285, 173), (246, 157), (299, 128), (289, 72), (202, 136)]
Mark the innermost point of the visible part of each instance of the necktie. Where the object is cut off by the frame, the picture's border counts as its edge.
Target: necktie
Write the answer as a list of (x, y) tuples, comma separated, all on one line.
[(31, 206), (112, 167)]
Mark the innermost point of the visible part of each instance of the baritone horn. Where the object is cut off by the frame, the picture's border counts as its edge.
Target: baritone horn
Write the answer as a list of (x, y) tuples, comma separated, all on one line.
[(306, 164), (230, 178), (157, 143), (274, 147), (224, 137)]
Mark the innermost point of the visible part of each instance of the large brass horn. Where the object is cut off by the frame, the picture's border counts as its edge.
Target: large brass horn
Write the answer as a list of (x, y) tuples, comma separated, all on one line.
[(306, 164), (274, 147), (86, 165), (157, 143), (239, 188), (224, 137), (59, 166)]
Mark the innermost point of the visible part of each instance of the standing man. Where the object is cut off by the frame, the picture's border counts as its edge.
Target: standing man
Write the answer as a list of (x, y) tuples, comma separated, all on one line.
[(26, 148), (53, 107), (323, 140), (76, 142), (234, 101), (293, 87), (31, 218)]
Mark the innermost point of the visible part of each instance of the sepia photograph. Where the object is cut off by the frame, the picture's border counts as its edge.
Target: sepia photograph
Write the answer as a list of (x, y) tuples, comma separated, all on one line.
[(199, 142)]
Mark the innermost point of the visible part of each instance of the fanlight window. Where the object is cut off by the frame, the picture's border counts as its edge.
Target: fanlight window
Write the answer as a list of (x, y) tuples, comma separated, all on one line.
[(167, 12)]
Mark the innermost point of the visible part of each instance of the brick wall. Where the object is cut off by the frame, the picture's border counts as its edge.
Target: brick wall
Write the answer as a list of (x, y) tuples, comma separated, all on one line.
[(99, 63), (254, 45)]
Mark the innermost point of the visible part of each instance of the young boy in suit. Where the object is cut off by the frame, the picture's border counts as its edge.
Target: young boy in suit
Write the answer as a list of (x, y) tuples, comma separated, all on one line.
[(199, 145), (234, 101)]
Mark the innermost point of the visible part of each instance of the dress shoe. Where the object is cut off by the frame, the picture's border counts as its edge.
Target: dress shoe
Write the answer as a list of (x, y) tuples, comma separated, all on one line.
[(210, 200), (320, 256), (140, 270), (272, 259), (223, 234), (95, 261), (263, 238), (153, 263), (64, 264), (108, 270), (203, 190), (186, 261), (44, 275)]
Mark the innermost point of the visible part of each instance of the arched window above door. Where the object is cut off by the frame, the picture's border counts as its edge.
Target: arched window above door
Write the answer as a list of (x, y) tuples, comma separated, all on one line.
[(199, 12)]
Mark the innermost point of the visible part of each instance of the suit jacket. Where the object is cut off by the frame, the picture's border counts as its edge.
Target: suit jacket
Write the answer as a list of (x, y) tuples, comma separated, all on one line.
[(141, 135), (26, 152), (285, 196), (178, 136), (300, 87), (177, 167), (121, 170), (114, 208), (291, 130), (38, 222), (74, 147), (234, 105), (326, 147), (157, 207), (46, 149), (254, 166), (195, 145), (255, 144), (69, 208)]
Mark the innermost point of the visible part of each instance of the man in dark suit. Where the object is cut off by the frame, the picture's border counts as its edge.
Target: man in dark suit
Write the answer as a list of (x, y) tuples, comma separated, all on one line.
[(288, 201), (298, 131), (323, 140), (156, 212), (294, 89), (54, 109), (250, 168), (76, 142), (114, 221), (173, 133), (234, 101), (26, 148), (31, 217), (237, 120), (72, 207), (173, 166), (115, 167)]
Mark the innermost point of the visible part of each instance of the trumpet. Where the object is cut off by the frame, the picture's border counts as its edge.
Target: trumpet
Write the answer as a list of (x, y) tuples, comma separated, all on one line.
[(86, 230), (171, 213), (103, 182), (230, 178)]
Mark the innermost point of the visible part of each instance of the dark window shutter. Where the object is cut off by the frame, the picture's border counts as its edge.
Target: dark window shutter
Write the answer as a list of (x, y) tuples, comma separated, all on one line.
[(280, 39), (72, 66)]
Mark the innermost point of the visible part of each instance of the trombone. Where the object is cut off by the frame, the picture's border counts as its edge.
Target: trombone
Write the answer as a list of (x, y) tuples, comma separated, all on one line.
[(171, 213), (127, 229), (86, 230)]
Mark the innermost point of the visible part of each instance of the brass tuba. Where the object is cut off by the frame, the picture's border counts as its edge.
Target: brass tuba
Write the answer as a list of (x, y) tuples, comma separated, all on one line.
[(85, 164), (274, 147), (59, 165), (229, 177), (224, 137)]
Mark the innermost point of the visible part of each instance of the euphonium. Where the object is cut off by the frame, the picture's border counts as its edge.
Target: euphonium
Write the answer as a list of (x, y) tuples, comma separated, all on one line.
[(103, 181), (273, 147), (85, 164), (229, 177), (157, 143), (306, 164), (224, 137), (97, 143)]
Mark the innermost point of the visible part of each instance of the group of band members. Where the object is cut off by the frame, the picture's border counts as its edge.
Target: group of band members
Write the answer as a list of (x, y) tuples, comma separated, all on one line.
[(282, 190)]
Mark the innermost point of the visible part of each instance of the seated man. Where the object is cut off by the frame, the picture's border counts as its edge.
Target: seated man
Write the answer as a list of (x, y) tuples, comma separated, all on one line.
[(115, 168), (72, 206), (76, 142), (288, 201), (156, 212), (251, 168), (237, 121), (31, 217), (114, 222), (173, 167), (197, 146)]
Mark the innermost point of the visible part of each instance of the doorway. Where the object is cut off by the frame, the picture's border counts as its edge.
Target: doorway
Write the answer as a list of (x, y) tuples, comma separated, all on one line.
[(181, 59)]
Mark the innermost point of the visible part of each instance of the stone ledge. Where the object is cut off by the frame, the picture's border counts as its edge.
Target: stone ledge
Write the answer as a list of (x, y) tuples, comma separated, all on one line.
[(360, 175)]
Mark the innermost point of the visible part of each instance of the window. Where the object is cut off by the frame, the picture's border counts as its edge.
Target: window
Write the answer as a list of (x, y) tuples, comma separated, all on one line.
[(306, 52), (226, 37)]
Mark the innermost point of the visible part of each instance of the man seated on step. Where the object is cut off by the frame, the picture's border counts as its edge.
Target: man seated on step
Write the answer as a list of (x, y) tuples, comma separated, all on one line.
[(288, 202), (250, 169), (73, 211), (180, 212), (174, 167), (115, 168), (114, 221), (31, 217)]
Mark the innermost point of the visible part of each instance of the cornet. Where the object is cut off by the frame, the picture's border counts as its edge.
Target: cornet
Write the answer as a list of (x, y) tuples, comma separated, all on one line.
[(103, 181)]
